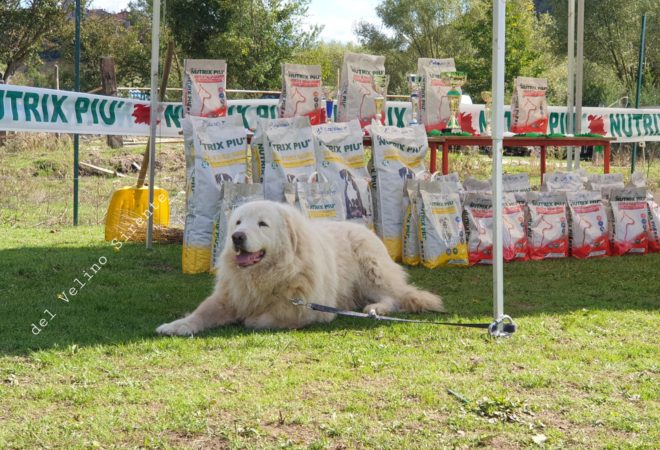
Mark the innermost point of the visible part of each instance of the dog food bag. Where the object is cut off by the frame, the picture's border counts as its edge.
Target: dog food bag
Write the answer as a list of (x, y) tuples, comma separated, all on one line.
[(630, 221), (398, 154), (547, 228), (216, 149), (320, 200), (479, 216), (472, 184), (518, 185), (589, 236), (529, 106), (442, 237), (356, 92), (433, 102), (410, 237), (604, 182), (257, 152), (289, 154), (341, 160), (410, 246), (562, 182), (301, 93), (204, 84), (233, 196), (654, 224)]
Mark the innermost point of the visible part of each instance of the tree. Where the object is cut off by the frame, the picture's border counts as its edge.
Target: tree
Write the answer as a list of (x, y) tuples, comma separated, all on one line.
[(412, 29), (24, 25), (254, 36), (329, 55), (611, 46), (461, 29)]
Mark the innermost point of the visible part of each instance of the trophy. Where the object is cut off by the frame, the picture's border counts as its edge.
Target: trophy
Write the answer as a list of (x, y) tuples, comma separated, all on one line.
[(328, 91), (414, 83), (380, 82), (455, 80), (487, 97)]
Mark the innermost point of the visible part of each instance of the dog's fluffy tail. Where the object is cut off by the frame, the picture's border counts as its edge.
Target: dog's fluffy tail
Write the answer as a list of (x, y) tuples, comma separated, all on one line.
[(417, 300)]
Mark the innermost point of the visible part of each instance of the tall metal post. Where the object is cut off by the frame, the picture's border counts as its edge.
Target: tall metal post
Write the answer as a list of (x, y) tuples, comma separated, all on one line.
[(570, 98), (76, 137), (497, 120), (155, 35), (640, 75), (579, 76)]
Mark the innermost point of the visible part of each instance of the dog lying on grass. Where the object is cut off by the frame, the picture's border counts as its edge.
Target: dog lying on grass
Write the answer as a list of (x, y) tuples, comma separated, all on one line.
[(275, 255)]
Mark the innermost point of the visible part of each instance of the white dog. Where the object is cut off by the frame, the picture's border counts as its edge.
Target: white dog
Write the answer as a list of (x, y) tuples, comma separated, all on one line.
[(275, 254)]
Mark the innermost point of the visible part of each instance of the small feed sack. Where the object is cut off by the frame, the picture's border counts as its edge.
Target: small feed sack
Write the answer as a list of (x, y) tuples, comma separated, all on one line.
[(204, 86), (356, 91), (547, 228), (630, 221), (588, 222), (529, 106), (301, 93), (433, 100)]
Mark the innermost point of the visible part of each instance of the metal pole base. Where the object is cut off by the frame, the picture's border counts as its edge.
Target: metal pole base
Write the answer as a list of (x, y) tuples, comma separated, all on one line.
[(503, 327)]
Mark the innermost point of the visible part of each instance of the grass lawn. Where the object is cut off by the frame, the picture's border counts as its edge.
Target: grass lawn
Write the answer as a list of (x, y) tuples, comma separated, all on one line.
[(581, 372)]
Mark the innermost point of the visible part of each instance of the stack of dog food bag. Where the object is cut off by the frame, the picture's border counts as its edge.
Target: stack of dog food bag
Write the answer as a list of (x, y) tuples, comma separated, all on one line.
[(422, 218)]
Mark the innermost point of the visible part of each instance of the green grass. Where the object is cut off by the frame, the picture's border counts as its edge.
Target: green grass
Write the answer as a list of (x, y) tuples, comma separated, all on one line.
[(581, 372)]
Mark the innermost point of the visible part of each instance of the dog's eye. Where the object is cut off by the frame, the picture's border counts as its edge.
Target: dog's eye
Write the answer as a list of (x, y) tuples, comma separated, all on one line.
[(262, 223), (238, 222)]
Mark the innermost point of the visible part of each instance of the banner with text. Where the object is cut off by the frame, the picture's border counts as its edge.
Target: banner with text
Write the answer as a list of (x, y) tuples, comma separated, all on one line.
[(48, 110)]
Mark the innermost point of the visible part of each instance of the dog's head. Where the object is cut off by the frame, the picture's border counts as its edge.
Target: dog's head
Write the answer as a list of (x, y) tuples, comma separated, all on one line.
[(262, 234)]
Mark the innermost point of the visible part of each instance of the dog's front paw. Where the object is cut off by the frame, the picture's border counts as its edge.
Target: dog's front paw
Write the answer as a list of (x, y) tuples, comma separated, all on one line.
[(179, 327)]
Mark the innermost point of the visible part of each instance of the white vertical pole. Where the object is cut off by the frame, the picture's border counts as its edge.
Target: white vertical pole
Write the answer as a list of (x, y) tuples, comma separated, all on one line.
[(155, 35), (499, 14), (579, 75), (570, 100)]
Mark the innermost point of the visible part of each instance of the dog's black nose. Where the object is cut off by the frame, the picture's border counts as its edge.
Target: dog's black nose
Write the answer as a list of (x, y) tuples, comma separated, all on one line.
[(238, 238)]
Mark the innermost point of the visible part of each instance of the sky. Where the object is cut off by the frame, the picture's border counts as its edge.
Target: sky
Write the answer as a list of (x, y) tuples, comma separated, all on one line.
[(339, 17)]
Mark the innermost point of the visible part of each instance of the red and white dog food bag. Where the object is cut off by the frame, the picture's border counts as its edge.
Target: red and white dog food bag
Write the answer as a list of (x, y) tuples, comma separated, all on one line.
[(478, 214), (547, 228), (433, 101), (630, 221), (301, 93), (204, 85), (356, 93), (529, 106), (588, 223)]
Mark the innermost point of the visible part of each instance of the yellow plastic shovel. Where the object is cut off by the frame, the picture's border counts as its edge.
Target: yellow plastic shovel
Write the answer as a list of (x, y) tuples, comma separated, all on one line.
[(128, 211)]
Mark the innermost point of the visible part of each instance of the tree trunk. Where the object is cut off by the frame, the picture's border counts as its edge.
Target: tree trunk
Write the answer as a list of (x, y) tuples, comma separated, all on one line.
[(109, 87)]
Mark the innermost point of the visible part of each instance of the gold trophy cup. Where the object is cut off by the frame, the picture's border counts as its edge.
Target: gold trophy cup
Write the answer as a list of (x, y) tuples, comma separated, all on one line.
[(415, 84), (487, 97), (455, 80), (380, 83)]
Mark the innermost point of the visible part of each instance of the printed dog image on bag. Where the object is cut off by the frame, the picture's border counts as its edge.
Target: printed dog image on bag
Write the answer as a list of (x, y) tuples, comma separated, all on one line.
[(341, 160)]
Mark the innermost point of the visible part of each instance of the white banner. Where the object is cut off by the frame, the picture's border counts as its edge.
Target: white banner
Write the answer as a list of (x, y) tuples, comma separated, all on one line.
[(34, 109)]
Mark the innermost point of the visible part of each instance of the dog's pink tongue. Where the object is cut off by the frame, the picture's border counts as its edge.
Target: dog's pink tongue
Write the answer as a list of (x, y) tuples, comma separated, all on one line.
[(247, 258)]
